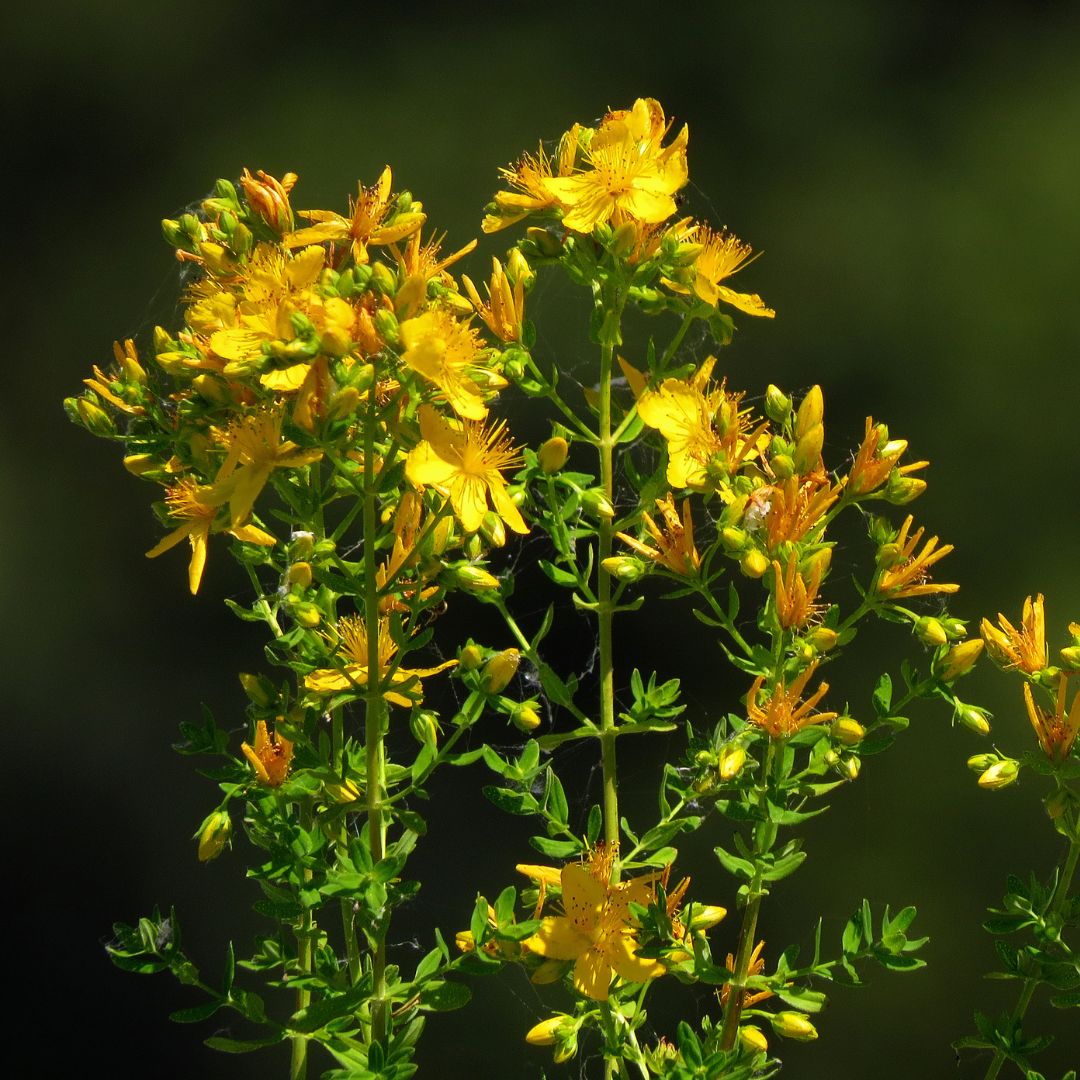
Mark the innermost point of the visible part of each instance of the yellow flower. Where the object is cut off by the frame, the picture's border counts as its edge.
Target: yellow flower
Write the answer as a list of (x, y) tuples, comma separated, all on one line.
[(402, 686), (254, 443), (722, 255), (1024, 648), (445, 351), (628, 176), (365, 224), (197, 508), (784, 713), (1056, 731), (706, 432), (675, 547), (505, 308), (465, 464), (271, 756), (596, 930), (528, 177), (876, 460), (907, 576)]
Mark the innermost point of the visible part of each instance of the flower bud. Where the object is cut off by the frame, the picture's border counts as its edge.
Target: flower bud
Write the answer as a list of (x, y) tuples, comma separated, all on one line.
[(752, 1039), (753, 564), (552, 454), (548, 972), (383, 279), (387, 326), (981, 762), (301, 545), (811, 411), (305, 614), (259, 689), (547, 243), (470, 657), (596, 503), (499, 670), (733, 540), (92, 416), (823, 638), (139, 464), (474, 579), (624, 568), (1070, 657), (730, 761), (793, 1025), (525, 718), (424, 727), (546, 1032), (847, 731), (1058, 803), (299, 574), (1001, 774), (213, 835), (777, 404), (808, 450), (974, 719), (959, 660), (704, 916), (465, 941), (849, 767), (900, 489), (931, 631), (493, 530), (783, 466)]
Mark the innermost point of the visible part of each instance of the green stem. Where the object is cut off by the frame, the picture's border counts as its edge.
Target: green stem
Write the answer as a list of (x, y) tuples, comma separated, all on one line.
[(304, 937), (764, 837), (676, 341), (1057, 901), (605, 608), (374, 707)]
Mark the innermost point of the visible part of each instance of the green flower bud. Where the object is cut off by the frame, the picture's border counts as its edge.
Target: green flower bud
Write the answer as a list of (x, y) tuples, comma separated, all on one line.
[(474, 579), (808, 450), (1070, 657), (259, 689), (793, 1025), (525, 718), (213, 835), (777, 404), (847, 731), (822, 638), (596, 503), (931, 631), (305, 614), (752, 1039), (733, 540), (92, 416), (973, 718), (470, 657), (624, 568), (981, 762), (900, 489), (547, 243), (424, 726), (959, 660), (1001, 774), (783, 466), (387, 325)]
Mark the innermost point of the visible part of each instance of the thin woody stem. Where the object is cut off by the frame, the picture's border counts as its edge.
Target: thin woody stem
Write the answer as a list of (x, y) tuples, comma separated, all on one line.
[(304, 935)]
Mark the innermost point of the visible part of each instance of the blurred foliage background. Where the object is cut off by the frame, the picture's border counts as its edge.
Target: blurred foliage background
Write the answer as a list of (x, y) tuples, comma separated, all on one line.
[(912, 172)]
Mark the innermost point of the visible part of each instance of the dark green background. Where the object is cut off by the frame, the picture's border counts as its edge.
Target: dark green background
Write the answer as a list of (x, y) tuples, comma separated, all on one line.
[(913, 175)]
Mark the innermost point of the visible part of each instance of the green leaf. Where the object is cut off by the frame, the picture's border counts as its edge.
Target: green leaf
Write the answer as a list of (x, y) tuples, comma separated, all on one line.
[(883, 695), (799, 997), (558, 575), (784, 866), (242, 1046), (734, 865), (556, 849), (555, 798), (428, 966), (197, 1012), (445, 997), (594, 823)]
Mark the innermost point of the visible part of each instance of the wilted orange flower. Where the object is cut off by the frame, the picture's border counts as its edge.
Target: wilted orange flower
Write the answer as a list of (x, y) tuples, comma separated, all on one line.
[(907, 575), (795, 597), (505, 309), (784, 713), (674, 543), (1024, 648), (269, 198), (271, 756), (1056, 732), (794, 507), (876, 459)]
